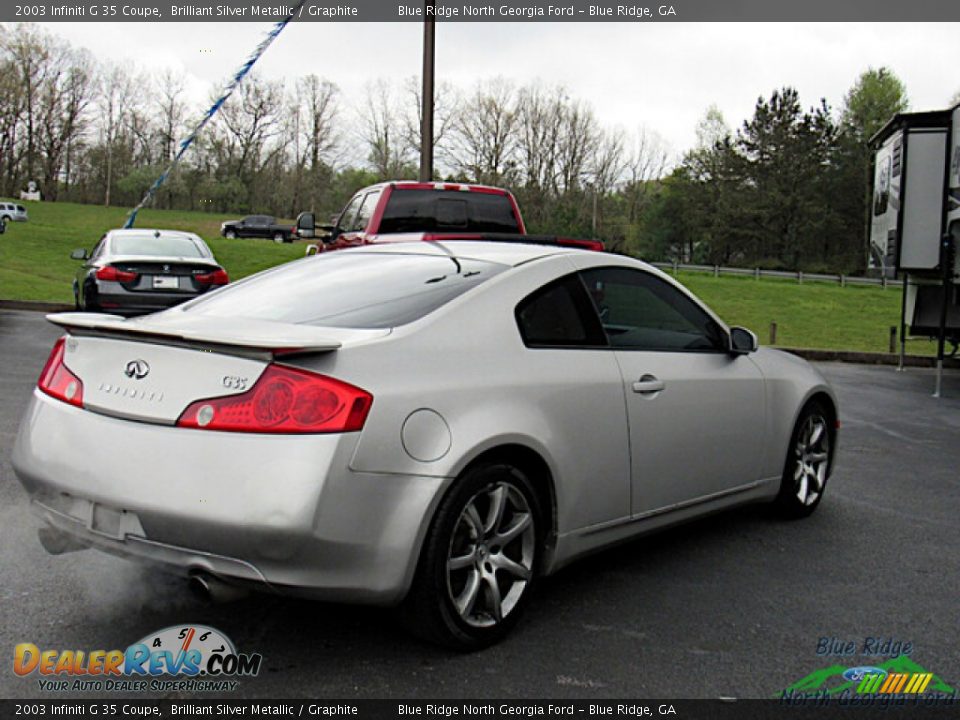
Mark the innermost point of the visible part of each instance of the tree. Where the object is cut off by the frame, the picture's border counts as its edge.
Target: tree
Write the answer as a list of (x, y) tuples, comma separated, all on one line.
[(446, 105), (30, 52), (712, 128), (249, 141), (786, 150), (117, 95), (64, 96), (484, 139), (169, 86), (317, 139), (12, 109), (382, 134), (875, 97), (761, 197)]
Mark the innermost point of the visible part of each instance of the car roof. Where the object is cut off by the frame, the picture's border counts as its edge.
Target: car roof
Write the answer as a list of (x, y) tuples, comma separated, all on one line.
[(511, 253)]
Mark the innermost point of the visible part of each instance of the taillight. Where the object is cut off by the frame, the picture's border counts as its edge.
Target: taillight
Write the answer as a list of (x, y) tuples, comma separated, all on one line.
[(284, 400), (217, 277), (57, 381), (109, 272)]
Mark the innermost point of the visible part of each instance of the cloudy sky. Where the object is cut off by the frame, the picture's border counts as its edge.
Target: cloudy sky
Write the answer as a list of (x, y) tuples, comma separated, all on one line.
[(660, 76)]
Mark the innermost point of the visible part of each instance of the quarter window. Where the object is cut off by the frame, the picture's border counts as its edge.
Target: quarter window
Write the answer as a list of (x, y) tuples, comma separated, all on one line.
[(559, 315), (639, 311)]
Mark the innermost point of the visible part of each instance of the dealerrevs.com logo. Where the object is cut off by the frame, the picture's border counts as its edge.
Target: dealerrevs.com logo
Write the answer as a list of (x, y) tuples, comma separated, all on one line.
[(198, 657)]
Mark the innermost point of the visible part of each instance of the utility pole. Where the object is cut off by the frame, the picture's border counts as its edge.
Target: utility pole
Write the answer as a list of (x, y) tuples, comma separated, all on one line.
[(426, 114)]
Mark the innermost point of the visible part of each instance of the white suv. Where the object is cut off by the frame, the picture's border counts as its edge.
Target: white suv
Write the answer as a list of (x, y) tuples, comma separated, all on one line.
[(12, 211)]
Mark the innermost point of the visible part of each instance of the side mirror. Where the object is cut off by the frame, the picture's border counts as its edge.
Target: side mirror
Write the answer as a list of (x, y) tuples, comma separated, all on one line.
[(79, 254), (742, 341), (306, 225)]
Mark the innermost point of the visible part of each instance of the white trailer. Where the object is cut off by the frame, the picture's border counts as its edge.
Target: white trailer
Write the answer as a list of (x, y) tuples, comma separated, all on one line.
[(915, 220)]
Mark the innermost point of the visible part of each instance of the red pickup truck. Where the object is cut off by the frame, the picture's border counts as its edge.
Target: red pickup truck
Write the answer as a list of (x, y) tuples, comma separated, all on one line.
[(402, 211)]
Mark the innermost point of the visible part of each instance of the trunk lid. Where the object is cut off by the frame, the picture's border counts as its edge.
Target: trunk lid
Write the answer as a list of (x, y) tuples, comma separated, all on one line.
[(152, 368), (151, 382), (164, 274)]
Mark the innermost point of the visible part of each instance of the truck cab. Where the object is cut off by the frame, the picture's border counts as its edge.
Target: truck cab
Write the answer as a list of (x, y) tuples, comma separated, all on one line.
[(396, 211)]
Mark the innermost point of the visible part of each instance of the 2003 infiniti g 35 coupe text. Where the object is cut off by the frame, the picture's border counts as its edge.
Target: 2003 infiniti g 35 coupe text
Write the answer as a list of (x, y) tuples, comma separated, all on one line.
[(428, 424)]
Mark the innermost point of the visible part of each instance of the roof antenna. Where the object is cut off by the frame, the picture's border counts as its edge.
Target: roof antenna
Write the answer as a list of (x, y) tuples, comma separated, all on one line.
[(451, 255)]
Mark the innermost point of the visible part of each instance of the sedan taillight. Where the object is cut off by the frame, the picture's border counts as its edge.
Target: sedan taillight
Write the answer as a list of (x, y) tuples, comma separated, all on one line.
[(217, 277), (284, 400), (109, 272), (57, 381)]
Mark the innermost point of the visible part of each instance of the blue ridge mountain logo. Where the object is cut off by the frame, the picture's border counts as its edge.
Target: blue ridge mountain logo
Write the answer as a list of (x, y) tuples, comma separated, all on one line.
[(900, 677)]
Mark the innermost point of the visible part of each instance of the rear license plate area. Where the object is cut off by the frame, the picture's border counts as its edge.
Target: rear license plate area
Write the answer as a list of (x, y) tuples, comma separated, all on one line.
[(110, 522), (163, 282)]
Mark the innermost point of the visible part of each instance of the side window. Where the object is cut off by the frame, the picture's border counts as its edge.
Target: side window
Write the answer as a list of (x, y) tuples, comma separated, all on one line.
[(349, 214), (98, 248), (559, 315), (365, 213), (642, 312)]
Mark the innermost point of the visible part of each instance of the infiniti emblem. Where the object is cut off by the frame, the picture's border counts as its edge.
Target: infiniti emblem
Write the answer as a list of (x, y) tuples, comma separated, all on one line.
[(137, 369)]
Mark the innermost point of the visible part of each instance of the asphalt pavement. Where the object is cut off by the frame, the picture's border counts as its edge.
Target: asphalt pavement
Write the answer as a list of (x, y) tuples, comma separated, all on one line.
[(731, 606)]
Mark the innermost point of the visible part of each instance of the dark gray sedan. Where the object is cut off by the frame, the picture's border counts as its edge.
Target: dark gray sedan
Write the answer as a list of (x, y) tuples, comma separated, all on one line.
[(137, 271)]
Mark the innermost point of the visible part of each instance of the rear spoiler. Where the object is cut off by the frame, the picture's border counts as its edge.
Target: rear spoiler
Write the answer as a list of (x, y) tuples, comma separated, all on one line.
[(237, 333)]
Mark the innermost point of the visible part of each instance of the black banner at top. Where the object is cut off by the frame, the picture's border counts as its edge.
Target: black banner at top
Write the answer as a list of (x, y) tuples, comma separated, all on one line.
[(623, 11)]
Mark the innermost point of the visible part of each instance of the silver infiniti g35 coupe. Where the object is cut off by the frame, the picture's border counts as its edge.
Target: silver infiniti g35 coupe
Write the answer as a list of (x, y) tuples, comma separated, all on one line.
[(432, 425)]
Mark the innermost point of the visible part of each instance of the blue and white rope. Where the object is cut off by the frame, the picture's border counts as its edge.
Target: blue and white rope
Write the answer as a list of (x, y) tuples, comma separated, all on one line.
[(227, 92)]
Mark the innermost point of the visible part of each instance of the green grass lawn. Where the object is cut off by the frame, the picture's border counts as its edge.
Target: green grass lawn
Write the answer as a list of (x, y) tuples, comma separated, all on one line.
[(811, 315), (35, 265)]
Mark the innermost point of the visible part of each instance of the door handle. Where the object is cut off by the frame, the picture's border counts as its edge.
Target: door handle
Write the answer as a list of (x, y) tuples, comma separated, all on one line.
[(647, 385)]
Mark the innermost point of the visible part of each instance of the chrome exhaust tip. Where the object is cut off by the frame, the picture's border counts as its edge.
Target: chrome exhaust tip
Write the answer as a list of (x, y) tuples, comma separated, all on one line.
[(209, 588)]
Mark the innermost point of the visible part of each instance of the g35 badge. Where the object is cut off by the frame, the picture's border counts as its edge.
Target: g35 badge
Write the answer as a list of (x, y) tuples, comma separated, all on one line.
[(234, 382)]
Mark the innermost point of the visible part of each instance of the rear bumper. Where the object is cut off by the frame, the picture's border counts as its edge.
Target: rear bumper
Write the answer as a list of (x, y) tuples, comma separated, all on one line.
[(280, 510), (112, 296)]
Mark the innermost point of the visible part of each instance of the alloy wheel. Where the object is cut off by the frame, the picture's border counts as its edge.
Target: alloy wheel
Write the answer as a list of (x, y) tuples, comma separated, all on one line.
[(491, 555), (812, 454)]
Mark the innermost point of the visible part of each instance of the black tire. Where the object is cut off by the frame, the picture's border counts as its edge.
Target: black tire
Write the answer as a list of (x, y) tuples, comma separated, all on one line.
[(89, 302), (230, 235), (511, 565), (808, 463)]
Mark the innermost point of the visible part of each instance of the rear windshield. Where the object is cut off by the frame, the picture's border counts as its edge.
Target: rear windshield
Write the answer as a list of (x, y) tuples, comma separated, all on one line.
[(347, 289), (448, 210), (148, 245)]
